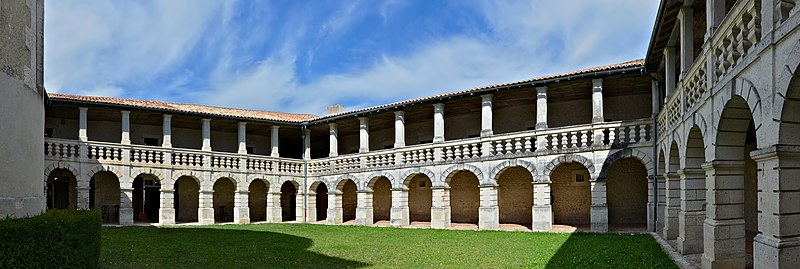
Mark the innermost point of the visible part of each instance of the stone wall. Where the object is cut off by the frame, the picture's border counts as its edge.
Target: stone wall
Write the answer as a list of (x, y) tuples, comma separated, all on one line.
[(223, 196), (515, 195), (188, 198), (571, 200), (626, 189), (257, 200), (381, 199), (419, 198), (464, 198)]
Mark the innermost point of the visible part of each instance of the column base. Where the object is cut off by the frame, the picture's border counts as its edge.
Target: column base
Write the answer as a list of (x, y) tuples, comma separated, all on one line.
[(691, 232), (599, 217), (311, 213), (335, 216), (542, 218), (364, 216), (770, 252), (274, 214), (125, 216), (166, 216), (724, 244), (671, 225), (399, 216), (205, 215), (488, 218), (440, 217), (241, 215)]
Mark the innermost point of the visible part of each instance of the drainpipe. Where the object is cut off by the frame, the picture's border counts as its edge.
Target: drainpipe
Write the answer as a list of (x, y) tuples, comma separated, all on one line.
[(654, 118), (305, 170)]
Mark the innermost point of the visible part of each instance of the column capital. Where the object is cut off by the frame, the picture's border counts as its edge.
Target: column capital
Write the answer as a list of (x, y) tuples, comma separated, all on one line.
[(242, 123), (597, 85), (718, 166), (205, 120), (275, 127), (399, 114), (167, 116), (438, 107), (541, 90), (125, 112), (487, 97)]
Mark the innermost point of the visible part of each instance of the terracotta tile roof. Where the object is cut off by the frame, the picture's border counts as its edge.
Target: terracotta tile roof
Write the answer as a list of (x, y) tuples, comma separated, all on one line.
[(186, 108), (634, 63), (297, 118)]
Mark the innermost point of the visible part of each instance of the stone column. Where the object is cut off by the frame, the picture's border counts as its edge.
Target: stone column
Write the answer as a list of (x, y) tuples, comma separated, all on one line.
[(311, 209), (542, 209), (364, 208), (399, 129), (274, 207), (669, 72), (166, 128), (241, 207), (438, 122), (307, 145), (83, 196), (723, 229), (126, 127), (673, 208), (686, 18), (299, 210), (599, 210), (335, 210), (334, 140), (363, 134), (166, 211), (777, 245), (125, 206), (399, 215), (82, 133), (488, 212), (206, 124), (541, 108), (205, 214), (715, 12), (242, 138), (597, 101), (652, 217), (486, 115), (692, 210), (440, 211), (274, 136)]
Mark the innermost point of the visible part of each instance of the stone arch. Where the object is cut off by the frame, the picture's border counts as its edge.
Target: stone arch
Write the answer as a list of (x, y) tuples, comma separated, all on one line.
[(223, 198), (498, 169), (105, 168), (59, 165), (627, 190), (370, 182), (184, 173), (346, 193), (135, 172), (233, 177), (61, 194), (448, 173), (313, 186), (407, 175), (186, 199), (626, 153), (748, 91), (257, 191), (342, 179), (293, 181), (570, 158), (787, 102)]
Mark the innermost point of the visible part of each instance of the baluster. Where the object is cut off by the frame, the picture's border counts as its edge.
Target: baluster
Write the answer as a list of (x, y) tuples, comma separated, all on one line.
[(428, 155), (584, 138), (564, 141), (528, 144), (553, 142), (612, 139), (574, 139)]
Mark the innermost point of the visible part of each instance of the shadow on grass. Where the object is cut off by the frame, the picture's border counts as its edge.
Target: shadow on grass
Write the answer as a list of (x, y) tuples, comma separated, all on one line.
[(609, 250), (211, 248)]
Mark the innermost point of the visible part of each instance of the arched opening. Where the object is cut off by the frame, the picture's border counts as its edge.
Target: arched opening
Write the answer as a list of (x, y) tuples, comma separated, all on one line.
[(465, 197), (321, 195), (104, 194), (515, 196), (626, 189), (224, 190), (146, 198), (62, 190), (348, 190), (381, 199), (257, 200), (693, 193), (288, 201), (736, 138), (187, 199), (420, 198), (571, 195)]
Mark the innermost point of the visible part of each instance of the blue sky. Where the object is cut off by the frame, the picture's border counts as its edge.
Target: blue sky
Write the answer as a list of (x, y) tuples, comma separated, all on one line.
[(300, 56)]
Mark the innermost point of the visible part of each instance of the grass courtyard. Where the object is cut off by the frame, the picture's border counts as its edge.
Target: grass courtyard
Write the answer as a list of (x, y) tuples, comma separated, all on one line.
[(321, 246)]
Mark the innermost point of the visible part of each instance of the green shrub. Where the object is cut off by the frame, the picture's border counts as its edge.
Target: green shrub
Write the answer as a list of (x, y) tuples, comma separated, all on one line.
[(58, 238)]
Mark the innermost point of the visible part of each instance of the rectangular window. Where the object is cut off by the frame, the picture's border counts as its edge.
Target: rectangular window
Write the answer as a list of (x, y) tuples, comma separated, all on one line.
[(422, 184), (579, 178)]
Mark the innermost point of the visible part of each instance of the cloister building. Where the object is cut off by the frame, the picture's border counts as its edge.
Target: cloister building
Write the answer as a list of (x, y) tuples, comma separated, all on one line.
[(699, 142)]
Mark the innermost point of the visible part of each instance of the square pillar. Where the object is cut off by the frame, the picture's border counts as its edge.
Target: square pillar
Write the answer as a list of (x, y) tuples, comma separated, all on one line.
[(205, 214), (486, 115), (597, 101), (669, 72), (311, 209), (599, 211), (126, 127), (242, 138), (777, 245), (274, 207), (488, 212), (438, 122), (541, 108), (206, 130), (673, 206), (542, 209), (166, 211), (274, 137), (686, 18), (166, 128), (399, 214), (715, 13), (334, 140), (440, 211), (364, 208), (723, 230), (241, 207), (692, 212), (307, 145), (82, 122), (83, 196), (335, 210), (655, 218), (125, 206), (399, 129), (363, 134)]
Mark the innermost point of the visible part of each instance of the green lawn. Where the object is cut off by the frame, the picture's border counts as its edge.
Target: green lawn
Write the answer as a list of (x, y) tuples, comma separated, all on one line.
[(321, 246)]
